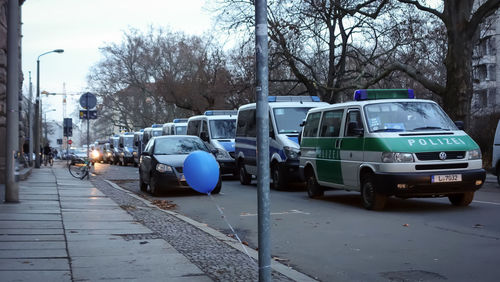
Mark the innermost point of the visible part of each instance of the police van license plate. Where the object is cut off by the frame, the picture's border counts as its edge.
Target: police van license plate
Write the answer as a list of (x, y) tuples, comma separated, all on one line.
[(446, 178)]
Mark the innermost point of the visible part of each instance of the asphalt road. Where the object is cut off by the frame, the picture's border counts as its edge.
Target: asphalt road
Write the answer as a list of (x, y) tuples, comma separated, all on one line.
[(335, 239)]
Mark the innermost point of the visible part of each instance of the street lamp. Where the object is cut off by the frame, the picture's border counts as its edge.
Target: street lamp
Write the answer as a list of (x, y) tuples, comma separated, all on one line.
[(37, 107)]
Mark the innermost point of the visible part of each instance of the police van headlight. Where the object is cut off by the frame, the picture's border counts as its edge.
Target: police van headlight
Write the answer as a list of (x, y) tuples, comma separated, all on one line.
[(394, 157), (291, 153), (163, 168), (222, 155), (474, 154)]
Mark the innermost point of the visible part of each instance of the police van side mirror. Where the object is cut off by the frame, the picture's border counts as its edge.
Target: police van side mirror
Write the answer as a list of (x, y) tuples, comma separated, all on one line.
[(111, 146), (354, 130), (459, 124), (303, 123), (121, 145)]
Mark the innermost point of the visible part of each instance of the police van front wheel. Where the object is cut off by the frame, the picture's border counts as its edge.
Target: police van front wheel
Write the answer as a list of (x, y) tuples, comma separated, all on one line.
[(245, 178), (314, 190), (462, 200), (372, 200)]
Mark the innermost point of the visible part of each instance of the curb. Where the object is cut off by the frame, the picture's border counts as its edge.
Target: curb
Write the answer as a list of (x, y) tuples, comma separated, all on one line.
[(275, 265)]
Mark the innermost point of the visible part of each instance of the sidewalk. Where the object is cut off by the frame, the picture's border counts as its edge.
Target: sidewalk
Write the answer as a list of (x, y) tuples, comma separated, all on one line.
[(64, 229)]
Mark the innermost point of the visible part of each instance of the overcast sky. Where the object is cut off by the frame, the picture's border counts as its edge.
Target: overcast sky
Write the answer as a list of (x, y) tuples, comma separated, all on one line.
[(80, 27)]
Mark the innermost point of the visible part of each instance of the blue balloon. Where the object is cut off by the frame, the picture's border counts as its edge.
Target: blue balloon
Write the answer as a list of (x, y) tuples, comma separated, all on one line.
[(201, 171)]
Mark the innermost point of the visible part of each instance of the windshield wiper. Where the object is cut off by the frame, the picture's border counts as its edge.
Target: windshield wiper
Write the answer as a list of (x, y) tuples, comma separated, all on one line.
[(389, 130), (429, 128)]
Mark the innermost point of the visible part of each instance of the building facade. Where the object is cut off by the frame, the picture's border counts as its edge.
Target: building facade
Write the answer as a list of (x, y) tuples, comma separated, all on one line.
[(486, 72)]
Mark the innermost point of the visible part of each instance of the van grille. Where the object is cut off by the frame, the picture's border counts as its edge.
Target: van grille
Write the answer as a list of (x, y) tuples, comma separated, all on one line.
[(441, 166), (434, 156)]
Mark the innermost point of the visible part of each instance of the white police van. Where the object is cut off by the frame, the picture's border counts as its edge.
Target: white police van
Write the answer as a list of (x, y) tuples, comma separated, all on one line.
[(285, 115), (177, 127), (495, 160), (386, 143), (217, 127)]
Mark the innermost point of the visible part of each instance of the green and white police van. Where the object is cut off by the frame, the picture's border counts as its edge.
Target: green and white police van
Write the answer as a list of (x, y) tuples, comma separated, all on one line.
[(387, 143)]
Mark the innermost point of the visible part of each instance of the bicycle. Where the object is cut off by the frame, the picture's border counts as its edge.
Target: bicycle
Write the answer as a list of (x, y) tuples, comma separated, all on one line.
[(79, 168)]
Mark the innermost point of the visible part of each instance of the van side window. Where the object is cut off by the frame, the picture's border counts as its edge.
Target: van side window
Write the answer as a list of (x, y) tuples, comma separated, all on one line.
[(246, 124), (204, 127), (193, 127), (330, 124), (312, 123), (353, 116)]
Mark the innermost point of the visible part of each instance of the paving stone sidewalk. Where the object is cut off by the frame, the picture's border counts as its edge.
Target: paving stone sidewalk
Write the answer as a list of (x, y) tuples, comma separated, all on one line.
[(65, 229)]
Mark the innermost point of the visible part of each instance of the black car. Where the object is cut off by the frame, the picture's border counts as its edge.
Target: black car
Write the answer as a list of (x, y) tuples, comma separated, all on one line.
[(162, 161)]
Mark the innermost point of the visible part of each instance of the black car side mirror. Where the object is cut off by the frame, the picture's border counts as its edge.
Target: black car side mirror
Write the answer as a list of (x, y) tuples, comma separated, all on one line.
[(145, 153)]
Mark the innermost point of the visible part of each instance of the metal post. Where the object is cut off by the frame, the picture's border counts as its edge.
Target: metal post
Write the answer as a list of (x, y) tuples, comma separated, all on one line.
[(12, 142), (88, 130), (37, 115), (30, 119), (262, 119)]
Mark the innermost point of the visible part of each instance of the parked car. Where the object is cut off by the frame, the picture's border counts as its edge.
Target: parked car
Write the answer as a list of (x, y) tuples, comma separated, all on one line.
[(125, 147), (495, 161), (107, 153), (162, 161), (137, 146), (115, 149)]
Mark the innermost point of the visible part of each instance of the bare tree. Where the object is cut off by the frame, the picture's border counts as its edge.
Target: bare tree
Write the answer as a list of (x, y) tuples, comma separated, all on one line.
[(461, 20)]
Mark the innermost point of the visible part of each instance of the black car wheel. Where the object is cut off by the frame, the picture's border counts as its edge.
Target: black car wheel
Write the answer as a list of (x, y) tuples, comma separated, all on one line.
[(218, 187), (153, 186), (142, 185)]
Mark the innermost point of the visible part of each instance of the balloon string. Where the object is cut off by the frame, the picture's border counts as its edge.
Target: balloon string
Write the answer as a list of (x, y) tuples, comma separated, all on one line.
[(232, 229)]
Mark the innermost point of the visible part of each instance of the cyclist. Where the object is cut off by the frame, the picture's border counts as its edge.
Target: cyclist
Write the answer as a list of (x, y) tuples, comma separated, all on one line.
[(47, 154)]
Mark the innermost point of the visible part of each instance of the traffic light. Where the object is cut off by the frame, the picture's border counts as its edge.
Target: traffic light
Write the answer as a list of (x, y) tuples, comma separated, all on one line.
[(68, 127)]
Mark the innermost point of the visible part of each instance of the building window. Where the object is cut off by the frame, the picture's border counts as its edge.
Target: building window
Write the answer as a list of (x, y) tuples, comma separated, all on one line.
[(482, 98), (492, 74)]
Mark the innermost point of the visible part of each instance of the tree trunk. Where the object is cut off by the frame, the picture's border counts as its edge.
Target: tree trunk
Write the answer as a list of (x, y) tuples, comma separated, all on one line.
[(459, 88), (458, 94)]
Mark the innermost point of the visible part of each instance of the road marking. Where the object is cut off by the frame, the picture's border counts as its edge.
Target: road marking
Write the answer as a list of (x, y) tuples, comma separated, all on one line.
[(491, 203), (277, 213)]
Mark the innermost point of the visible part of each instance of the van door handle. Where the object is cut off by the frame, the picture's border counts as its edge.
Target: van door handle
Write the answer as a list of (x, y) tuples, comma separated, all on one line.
[(338, 143)]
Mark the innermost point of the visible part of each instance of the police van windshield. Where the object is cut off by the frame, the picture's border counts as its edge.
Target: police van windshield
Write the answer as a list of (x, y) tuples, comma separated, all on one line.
[(180, 130), (223, 128), (288, 119), (157, 132), (406, 116), (128, 141)]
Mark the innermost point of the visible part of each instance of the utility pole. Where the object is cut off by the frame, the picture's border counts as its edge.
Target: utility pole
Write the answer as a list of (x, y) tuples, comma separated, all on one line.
[(12, 144), (262, 119)]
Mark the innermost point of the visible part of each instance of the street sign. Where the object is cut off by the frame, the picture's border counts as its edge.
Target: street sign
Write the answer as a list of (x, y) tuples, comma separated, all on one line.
[(92, 114), (70, 142), (88, 100)]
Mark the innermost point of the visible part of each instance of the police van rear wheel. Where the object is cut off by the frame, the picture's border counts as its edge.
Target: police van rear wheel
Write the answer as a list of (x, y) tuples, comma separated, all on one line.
[(372, 200), (314, 190), (462, 200)]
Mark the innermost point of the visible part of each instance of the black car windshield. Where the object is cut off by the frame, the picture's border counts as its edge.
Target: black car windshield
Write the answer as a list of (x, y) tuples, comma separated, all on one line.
[(223, 128), (178, 145), (288, 120), (406, 116), (128, 141)]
